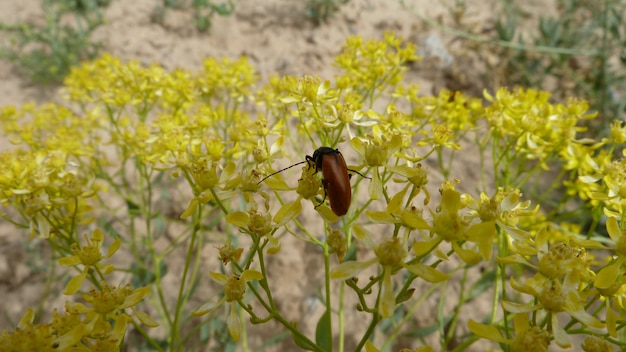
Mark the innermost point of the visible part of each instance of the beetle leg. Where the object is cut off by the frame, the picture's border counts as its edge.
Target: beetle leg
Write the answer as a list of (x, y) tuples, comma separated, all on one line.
[(323, 199)]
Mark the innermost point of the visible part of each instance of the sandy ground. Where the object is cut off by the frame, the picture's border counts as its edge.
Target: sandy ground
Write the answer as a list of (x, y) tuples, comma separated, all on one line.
[(277, 38)]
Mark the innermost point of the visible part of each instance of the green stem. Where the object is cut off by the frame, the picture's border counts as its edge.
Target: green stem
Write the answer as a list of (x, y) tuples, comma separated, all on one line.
[(175, 333), (329, 332), (376, 318)]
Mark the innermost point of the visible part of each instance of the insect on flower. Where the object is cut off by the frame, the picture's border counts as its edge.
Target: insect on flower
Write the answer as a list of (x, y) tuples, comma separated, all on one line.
[(336, 179)]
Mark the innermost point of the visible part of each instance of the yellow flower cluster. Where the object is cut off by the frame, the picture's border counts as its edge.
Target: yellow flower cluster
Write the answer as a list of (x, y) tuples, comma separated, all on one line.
[(126, 124), (100, 325)]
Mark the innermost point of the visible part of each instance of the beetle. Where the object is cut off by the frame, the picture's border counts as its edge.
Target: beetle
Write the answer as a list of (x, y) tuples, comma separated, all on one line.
[(335, 177)]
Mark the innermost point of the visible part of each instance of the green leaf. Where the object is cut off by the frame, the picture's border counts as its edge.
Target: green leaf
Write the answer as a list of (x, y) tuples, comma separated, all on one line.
[(132, 206), (405, 296), (323, 336), (305, 344), (350, 254)]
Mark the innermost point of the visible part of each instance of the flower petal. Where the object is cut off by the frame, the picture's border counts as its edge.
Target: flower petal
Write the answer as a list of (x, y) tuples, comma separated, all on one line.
[(483, 234), (517, 307), (248, 275), (560, 336), (114, 247), (136, 297), (387, 300), (193, 205), (364, 236), (427, 273), (66, 341), (208, 307), (514, 259), (274, 245), (327, 214), (395, 204), (288, 212), (468, 256), (381, 217), (369, 347), (515, 233), (375, 188), (234, 323), (587, 319), (70, 261), (521, 323), (607, 275), (347, 270), (422, 248), (413, 221), (238, 218), (611, 320), (145, 319), (74, 284), (612, 227), (487, 332), (219, 277), (27, 319)]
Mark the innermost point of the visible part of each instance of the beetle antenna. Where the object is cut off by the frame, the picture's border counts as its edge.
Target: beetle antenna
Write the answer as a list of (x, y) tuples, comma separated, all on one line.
[(360, 174), (279, 171)]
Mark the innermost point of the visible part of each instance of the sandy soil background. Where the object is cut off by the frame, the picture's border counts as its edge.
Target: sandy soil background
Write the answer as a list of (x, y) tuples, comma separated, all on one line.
[(277, 37)]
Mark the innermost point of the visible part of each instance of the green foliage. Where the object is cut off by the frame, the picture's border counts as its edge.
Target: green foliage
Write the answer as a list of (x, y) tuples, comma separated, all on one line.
[(46, 52), (321, 10), (575, 49), (203, 11), (594, 33)]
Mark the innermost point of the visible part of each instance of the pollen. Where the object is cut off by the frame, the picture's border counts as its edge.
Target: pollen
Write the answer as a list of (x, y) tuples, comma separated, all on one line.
[(109, 299), (375, 154), (552, 298), (89, 254), (309, 184), (421, 177), (488, 209), (229, 253), (391, 252), (260, 223), (234, 289), (534, 339), (596, 344), (337, 243)]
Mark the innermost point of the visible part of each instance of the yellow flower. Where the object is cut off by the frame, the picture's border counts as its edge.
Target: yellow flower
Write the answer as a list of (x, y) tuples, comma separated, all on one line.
[(110, 302), (229, 253), (596, 344), (410, 217), (618, 132), (450, 225), (89, 256), (527, 338), (525, 120), (260, 225), (376, 150), (101, 328), (57, 336), (611, 279), (371, 66), (337, 243), (234, 289), (390, 254), (441, 136), (555, 297), (505, 210)]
